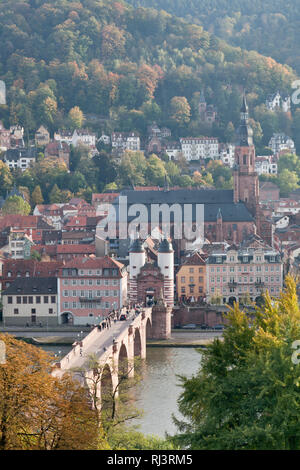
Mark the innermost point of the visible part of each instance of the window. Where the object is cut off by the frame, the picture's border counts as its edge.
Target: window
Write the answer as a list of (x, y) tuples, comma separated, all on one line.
[(16, 311), (30, 299), (33, 311), (191, 270), (24, 300), (191, 279), (200, 270), (46, 299), (38, 299), (9, 300), (53, 299), (9, 274)]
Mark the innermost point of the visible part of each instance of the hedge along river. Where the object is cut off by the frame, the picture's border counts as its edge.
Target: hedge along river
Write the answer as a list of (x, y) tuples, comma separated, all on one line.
[(159, 389)]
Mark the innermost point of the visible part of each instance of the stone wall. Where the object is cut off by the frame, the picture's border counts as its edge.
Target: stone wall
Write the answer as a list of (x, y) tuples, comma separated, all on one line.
[(198, 315)]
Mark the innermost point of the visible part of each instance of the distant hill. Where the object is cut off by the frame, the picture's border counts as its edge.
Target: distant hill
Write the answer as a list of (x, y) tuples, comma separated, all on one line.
[(270, 27), (121, 63)]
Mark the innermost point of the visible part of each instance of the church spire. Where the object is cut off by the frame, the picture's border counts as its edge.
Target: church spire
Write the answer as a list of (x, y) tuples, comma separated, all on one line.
[(244, 132)]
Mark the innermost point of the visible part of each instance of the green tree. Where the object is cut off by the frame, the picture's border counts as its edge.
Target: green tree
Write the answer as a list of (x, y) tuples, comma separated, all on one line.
[(16, 205), (75, 118), (180, 110), (6, 179), (246, 394), (287, 182), (155, 172), (55, 195), (36, 196)]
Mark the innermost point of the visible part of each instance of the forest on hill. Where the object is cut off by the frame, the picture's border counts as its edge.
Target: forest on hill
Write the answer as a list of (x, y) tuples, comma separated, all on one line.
[(125, 65), (270, 27)]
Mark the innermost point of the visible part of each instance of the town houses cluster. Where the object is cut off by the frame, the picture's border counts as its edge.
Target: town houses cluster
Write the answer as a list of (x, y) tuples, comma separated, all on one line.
[(57, 267)]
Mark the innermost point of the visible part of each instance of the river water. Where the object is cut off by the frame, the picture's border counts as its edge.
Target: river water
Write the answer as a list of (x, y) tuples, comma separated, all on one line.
[(158, 390)]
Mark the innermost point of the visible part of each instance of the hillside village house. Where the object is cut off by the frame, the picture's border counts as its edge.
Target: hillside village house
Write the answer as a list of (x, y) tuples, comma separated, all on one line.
[(276, 101), (281, 143), (122, 141), (59, 150), (42, 137), (78, 137), (197, 148), (265, 165), (21, 158)]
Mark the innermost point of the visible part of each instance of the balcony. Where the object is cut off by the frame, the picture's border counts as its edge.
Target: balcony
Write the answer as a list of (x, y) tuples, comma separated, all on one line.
[(90, 299), (232, 284), (259, 284)]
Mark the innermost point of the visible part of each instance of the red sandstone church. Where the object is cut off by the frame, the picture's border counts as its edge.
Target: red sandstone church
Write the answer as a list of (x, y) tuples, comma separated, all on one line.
[(230, 215)]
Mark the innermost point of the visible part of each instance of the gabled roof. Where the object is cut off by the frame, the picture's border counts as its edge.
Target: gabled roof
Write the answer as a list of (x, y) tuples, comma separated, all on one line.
[(194, 260), (94, 263), (34, 285)]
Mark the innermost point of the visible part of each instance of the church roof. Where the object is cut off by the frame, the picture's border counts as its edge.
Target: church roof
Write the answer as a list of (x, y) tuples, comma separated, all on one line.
[(212, 199)]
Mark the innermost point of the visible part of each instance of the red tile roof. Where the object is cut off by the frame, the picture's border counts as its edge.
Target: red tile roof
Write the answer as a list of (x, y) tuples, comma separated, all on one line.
[(94, 263)]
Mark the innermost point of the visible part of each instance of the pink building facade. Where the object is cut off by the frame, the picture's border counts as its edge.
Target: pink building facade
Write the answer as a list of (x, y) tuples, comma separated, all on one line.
[(238, 272), (89, 289)]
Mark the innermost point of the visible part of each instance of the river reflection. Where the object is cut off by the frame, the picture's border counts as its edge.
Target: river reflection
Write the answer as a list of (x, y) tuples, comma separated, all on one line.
[(159, 389)]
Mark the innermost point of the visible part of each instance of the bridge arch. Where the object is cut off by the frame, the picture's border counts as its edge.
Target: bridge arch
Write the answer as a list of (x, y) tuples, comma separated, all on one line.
[(148, 328), (123, 361), (107, 401), (137, 347)]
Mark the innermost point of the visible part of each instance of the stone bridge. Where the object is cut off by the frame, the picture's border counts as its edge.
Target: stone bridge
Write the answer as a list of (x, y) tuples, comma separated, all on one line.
[(117, 345)]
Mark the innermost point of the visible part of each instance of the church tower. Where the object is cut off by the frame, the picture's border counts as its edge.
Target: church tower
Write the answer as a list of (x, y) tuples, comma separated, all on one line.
[(246, 187)]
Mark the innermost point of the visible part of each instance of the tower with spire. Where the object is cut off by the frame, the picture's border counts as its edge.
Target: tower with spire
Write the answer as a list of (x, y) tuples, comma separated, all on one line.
[(219, 227), (246, 187)]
